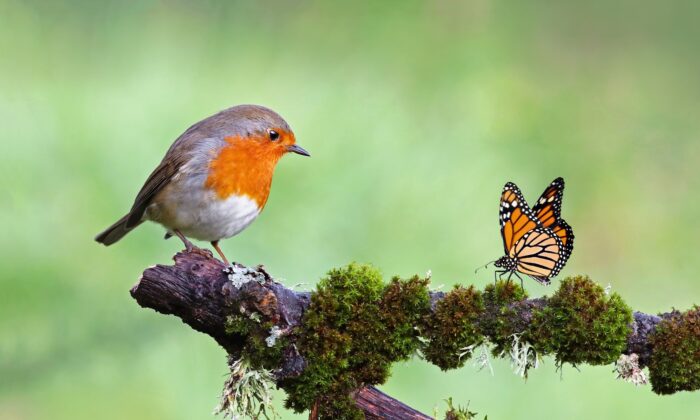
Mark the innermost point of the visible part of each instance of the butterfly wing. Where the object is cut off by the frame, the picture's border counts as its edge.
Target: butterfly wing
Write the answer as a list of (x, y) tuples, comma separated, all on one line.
[(566, 235), (548, 206), (515, 217), (548, 211), (540, 254)]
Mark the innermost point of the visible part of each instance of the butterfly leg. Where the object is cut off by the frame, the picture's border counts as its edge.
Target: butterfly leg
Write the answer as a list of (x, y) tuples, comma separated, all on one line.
[(496, 275), (509, 276), (522, 286)]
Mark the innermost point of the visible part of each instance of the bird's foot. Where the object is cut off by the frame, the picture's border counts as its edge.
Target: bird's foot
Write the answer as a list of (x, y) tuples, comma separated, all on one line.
[(189, 246)]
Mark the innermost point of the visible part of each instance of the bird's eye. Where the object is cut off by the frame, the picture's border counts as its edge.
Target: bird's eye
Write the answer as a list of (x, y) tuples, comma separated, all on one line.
[(273, 135)]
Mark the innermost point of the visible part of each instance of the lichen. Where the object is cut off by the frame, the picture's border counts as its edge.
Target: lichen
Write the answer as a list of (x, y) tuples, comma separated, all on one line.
[(523, 356), (675, 359), (628, 369), (275, 333), (452, 328), (240, 275), (481, 358), (581, 324), (247, 392)]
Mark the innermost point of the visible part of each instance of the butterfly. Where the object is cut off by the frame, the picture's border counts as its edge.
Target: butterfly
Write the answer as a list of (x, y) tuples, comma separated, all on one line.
[(537, 241)]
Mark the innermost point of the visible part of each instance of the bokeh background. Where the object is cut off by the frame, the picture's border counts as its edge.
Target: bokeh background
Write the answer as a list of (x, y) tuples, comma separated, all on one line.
[(416, 114)]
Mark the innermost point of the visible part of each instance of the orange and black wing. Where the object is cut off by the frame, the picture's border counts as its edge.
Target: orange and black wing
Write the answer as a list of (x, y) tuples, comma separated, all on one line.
[(540, 254), (515, 217), (548, 212), (548, 206), (566, 235)]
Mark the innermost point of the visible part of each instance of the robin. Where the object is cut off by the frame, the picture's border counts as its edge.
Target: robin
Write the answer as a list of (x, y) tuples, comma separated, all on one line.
[(215, 178)]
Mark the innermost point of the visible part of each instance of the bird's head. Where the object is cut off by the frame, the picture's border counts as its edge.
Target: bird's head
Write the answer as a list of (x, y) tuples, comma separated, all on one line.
[(255, 138), (259, 131)]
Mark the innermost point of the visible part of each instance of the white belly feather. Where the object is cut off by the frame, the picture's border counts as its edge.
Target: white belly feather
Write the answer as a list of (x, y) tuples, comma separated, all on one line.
[(186, 205), (218, 219), (200, 214)]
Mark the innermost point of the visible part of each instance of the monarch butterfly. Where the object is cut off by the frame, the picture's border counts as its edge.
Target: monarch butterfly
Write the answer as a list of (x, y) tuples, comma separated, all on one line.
[(537, 241)]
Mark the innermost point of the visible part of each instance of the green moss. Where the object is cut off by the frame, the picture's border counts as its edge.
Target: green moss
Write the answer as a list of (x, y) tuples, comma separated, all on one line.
[(452, 328), (404, 304), (262, 356), (503, 293), (581, 324), (239, 324), (347, 341), (254, 332), (457, 412), (501, 321), (675, 360), (352, 331)]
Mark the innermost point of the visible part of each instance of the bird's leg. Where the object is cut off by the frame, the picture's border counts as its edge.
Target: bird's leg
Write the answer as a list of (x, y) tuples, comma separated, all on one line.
[(215, 244), (188, 245)]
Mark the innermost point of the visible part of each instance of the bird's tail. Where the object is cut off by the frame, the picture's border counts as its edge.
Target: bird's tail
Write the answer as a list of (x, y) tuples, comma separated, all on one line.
[(115, 232)]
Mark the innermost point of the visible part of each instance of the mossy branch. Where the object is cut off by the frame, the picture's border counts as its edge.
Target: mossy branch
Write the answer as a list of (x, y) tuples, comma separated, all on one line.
[(197, 290), (327, 348)]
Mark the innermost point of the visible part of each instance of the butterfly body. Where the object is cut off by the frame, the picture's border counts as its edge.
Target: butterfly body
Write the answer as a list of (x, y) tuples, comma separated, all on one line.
[(507, 263), (537, 242)]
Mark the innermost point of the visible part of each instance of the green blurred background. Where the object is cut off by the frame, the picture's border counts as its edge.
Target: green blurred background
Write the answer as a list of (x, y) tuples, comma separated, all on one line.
[(416, 114)]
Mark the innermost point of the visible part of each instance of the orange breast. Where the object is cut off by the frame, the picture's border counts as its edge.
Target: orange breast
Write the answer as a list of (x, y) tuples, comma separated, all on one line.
[(243, 167)]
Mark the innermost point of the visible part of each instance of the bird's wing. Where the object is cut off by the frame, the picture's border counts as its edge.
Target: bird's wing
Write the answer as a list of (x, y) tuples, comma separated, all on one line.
[(158, 179), (195, 141)]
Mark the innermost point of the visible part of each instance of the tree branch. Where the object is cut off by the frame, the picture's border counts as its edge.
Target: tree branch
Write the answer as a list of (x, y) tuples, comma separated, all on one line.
[(197, 290)]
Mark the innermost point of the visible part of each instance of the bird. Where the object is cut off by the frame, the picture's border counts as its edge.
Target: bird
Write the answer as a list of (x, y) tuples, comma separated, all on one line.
[(537, 241), (214, 180)]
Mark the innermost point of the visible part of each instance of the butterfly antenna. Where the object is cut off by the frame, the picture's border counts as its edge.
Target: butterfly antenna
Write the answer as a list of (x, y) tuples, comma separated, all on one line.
[(484, 266)]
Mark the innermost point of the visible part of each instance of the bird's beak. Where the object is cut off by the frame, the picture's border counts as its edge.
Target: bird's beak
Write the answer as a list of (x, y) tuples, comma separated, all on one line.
[(298, 150)]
